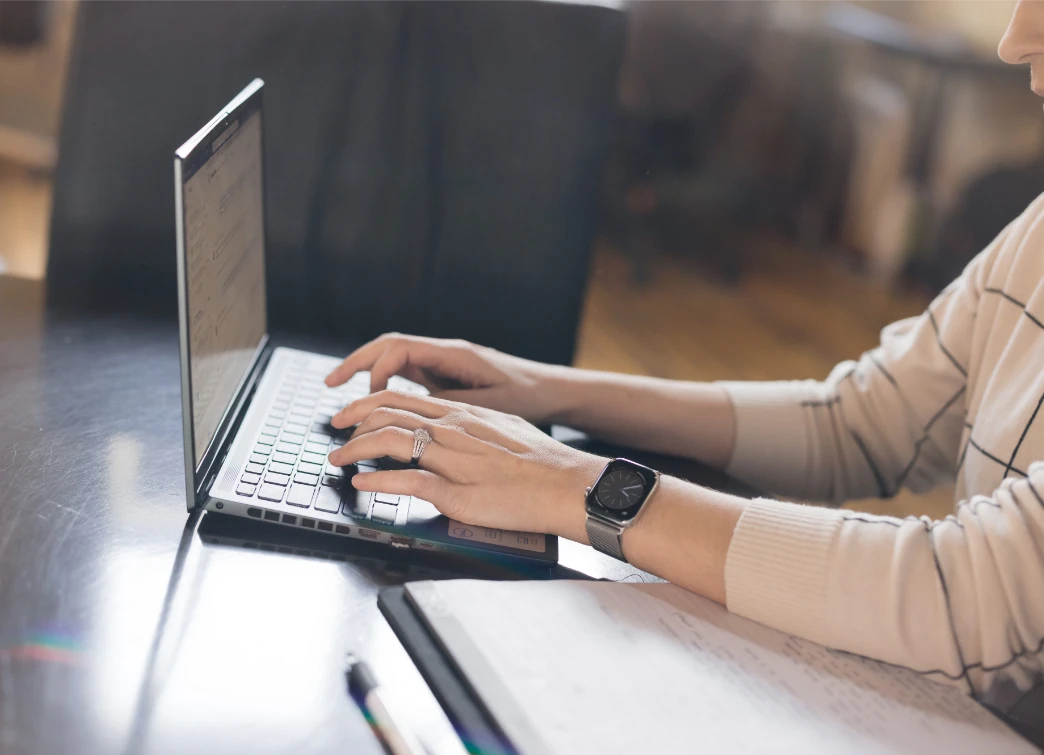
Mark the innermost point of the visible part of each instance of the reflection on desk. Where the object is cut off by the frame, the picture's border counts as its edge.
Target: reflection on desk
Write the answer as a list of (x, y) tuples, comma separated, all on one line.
[(123, 629)]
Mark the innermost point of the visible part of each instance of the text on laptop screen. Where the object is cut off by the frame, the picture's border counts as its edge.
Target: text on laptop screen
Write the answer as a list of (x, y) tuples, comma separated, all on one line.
[(225, 271)]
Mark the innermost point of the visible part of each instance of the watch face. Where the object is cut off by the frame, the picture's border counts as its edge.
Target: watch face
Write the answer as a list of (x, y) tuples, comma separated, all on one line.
[(621, 489)]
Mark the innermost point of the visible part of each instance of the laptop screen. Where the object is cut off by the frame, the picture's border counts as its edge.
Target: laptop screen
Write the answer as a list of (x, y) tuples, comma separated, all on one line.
[(224, 267)]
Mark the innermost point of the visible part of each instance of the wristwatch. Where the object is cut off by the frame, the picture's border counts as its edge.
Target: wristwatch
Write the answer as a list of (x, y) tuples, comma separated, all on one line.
[(614, 502)]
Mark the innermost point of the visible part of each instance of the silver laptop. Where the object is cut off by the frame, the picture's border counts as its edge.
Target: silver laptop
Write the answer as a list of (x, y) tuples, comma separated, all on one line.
[(256, 417)]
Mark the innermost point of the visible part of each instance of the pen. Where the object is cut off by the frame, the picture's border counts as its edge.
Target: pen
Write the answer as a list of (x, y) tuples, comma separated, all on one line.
[(393, 732)]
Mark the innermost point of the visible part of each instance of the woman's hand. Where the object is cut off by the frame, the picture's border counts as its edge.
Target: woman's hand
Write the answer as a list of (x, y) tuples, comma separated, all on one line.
[(458, 371), (482, 467)]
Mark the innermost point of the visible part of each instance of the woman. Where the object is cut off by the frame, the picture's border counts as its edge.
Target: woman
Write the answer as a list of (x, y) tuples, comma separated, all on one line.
[(954, 393)]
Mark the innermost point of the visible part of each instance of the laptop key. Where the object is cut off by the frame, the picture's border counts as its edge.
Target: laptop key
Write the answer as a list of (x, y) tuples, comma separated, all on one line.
[(265, 439), (328, 500), (308, 468), (313, 458), (258, 459), (334, 471), (316, 448), (254, 468), (283, 458), (277, 479), (251, 478), (262, 450), (270, 492), (328, 480), (306, 479), (383, 512), (367, 465), (245, 489), (288, 448), (295, 427), (386, 498), (275, 466), (322, 438), (300, 495)]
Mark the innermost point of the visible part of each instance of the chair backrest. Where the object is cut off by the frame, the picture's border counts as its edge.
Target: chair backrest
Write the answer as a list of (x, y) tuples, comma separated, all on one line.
[(430, 167)]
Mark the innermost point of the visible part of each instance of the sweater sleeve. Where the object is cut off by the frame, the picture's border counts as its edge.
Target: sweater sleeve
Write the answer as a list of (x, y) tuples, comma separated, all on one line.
[(891, 419), (956, 599)]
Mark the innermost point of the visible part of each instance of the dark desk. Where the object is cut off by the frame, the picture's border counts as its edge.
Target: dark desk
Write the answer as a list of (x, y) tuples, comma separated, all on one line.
[(123, 629)]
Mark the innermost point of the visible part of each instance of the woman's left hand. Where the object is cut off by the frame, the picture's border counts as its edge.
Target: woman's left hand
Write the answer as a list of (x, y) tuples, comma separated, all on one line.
[(482, 467)]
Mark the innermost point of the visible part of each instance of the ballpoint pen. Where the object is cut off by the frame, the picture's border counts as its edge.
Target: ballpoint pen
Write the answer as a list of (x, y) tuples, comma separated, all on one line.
[(395, 735)]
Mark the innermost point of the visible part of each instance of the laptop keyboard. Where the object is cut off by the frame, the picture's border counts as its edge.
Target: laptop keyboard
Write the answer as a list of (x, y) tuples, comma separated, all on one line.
[(288, 461)]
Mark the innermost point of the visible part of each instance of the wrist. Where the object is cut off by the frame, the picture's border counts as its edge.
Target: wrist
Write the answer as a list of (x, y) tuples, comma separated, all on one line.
[(563, 394), (568, 516)]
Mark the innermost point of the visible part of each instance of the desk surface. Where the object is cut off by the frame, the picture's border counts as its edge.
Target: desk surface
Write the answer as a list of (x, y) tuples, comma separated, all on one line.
[(124, 628)]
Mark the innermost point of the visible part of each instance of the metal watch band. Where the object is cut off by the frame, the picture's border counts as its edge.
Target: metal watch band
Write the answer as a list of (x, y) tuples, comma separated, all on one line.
[(605, 537)]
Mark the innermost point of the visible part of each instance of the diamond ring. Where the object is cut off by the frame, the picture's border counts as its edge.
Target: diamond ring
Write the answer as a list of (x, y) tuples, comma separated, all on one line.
[(421, 439)]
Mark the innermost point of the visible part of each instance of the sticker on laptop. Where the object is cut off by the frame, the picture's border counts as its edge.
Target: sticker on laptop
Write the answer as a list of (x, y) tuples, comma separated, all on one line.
[(526, 541)]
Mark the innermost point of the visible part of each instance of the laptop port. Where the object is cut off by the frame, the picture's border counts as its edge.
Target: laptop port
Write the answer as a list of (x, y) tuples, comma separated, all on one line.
[(306, 522), (326, 526), (271, 516), (256, 513), (342, 530), (369, 533), (289, 519), (400, 542)]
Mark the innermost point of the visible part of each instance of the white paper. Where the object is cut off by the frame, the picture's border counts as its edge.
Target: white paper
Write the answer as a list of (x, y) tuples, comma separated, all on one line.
[(597, 667)]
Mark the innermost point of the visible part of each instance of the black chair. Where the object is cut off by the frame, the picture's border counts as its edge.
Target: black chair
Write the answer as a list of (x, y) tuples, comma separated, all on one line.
[(431, 167)]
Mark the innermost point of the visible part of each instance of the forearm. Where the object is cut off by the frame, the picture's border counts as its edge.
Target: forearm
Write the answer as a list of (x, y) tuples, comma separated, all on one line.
[(694, 420), (682, 535)]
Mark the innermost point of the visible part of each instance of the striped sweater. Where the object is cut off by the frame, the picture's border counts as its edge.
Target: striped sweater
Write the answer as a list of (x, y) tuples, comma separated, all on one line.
[(954, 394)]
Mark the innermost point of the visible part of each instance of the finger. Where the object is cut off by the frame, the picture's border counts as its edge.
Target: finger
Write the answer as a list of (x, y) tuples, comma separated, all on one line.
[(422, 377), (450, 437), (361, 408), (360, 359), (484, 397), (409, 354), (417, 482), (404, 355), (395, 442)]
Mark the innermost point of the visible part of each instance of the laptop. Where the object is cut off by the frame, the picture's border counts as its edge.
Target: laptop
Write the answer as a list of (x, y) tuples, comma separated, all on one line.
[(256, 416)]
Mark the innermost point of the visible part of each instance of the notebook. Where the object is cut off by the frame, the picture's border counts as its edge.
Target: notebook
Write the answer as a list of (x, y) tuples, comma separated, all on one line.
[(584, 667)]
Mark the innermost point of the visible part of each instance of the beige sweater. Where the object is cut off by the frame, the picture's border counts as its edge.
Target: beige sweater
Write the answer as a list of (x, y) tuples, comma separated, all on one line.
[(953, 394)]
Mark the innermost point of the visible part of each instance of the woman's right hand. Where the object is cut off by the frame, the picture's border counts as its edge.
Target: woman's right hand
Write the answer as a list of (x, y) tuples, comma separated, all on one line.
[(456, 370)]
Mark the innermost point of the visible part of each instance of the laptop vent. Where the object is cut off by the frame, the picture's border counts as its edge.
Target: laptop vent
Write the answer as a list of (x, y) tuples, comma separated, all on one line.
[(231, 476)]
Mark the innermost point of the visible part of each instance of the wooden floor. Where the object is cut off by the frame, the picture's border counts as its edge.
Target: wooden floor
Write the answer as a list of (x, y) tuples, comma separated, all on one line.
[(793, 315)]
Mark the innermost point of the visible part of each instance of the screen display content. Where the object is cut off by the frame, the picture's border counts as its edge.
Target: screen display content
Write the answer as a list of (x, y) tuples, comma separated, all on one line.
[(225, 270)]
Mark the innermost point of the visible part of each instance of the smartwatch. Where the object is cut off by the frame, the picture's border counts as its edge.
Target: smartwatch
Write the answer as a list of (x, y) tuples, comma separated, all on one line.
[(614, 502)]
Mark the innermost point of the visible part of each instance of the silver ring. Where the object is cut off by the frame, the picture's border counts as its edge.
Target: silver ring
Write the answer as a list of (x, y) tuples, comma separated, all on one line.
[(421, 439)]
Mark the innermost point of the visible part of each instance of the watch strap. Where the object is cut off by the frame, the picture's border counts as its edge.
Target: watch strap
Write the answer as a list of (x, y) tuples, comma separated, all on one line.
[(605, 537)]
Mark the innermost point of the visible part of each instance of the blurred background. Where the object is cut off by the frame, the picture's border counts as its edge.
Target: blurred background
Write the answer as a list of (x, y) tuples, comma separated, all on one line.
[(694, 190)]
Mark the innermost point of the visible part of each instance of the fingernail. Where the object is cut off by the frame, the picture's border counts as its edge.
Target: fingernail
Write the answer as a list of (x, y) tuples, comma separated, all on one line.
[(358, 480)]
